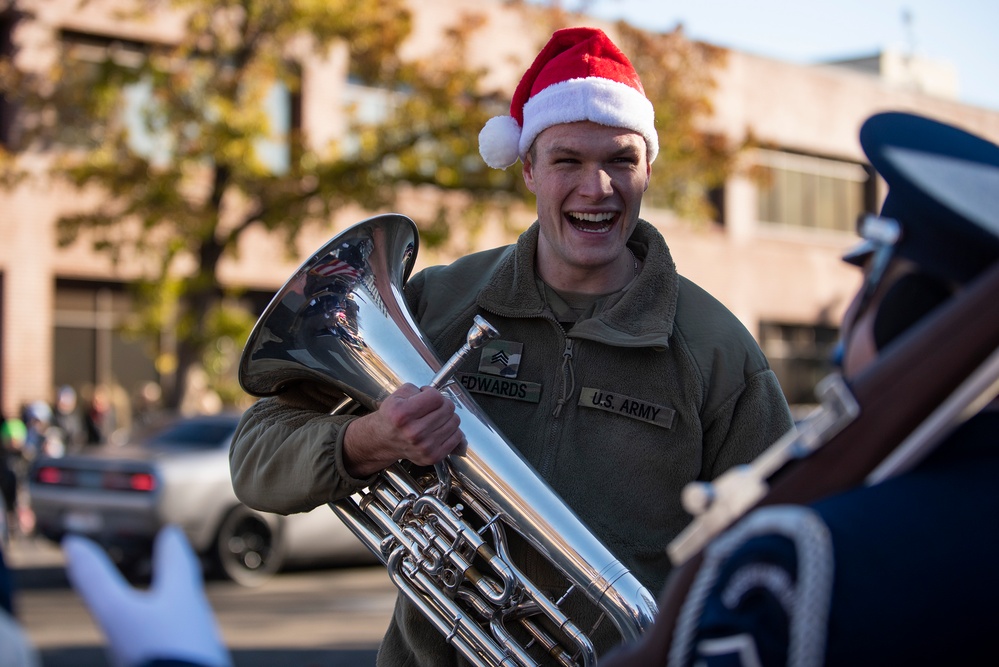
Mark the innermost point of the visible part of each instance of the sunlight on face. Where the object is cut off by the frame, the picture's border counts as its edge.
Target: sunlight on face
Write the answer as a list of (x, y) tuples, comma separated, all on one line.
[(589, 180)]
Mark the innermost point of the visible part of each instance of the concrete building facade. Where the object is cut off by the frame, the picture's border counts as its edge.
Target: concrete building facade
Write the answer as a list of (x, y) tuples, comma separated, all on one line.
[(772, 256)]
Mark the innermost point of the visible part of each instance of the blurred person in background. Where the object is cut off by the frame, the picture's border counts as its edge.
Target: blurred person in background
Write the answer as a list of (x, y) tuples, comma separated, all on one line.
[(12, 435), (42, 438), (148, 403), (99, 417), (67, 419)]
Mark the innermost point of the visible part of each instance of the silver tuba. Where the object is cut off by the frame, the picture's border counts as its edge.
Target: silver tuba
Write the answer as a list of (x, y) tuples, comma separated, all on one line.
[(341, 320)]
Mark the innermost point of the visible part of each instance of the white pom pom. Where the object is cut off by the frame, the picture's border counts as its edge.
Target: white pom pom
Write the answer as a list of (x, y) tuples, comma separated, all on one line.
[(499, 142)]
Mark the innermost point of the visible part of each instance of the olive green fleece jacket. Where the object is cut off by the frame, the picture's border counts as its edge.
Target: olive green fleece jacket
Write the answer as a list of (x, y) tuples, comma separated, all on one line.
[(663, 387)]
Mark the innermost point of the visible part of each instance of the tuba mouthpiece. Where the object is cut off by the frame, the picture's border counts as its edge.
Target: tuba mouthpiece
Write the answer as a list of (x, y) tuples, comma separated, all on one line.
[(481, 333)]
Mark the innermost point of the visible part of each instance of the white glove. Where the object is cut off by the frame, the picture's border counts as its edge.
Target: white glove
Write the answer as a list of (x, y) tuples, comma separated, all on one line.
[(170, 620), (16, 650)]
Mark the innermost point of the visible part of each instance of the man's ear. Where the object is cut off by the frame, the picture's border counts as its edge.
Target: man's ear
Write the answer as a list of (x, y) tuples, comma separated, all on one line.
[(528, 171)]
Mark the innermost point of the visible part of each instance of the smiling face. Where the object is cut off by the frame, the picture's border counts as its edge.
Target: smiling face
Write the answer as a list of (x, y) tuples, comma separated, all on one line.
[(589, 180)]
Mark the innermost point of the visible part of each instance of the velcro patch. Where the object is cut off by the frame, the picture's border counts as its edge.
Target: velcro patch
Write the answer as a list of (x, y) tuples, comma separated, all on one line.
[(480, 383), (501, 357), (627, 406)]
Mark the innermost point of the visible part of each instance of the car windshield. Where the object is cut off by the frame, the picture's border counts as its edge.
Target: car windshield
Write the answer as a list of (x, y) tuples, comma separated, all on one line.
[(194, 434)]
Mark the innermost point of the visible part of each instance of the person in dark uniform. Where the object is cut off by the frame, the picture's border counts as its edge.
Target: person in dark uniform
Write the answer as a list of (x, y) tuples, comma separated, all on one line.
[(901, 571)]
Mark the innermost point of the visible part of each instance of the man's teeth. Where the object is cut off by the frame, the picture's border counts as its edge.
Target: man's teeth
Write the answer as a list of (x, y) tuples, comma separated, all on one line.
[(590, 219)]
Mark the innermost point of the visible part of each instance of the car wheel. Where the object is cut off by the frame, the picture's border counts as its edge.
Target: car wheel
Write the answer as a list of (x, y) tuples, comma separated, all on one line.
[(248, 547)]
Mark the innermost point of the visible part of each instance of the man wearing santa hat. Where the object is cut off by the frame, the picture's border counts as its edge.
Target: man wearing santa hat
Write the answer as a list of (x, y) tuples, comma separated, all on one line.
[(616, 378)]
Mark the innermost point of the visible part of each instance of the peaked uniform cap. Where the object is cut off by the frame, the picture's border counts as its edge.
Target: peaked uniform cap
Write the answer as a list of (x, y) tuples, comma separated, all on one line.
[(580, 75), (943, 189)]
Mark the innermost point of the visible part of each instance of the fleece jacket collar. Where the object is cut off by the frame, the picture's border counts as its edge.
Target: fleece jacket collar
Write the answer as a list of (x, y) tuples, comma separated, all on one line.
[(643, 317)]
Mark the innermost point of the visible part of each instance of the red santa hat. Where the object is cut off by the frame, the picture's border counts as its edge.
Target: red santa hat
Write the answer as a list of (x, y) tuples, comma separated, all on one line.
[(579, 75)]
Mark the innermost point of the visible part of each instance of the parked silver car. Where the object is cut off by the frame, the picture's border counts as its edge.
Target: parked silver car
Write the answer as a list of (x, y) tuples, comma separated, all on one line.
[(121, 496)]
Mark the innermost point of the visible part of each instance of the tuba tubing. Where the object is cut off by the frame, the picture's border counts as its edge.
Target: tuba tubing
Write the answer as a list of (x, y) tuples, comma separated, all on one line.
[(341, 320)]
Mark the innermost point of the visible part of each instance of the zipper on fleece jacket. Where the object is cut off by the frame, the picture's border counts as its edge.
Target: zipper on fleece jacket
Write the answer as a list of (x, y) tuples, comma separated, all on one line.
[(568, 386), (568, 378)]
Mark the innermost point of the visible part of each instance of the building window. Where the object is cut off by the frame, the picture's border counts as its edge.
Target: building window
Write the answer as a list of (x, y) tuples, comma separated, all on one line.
[(149, 130), (91, 347), (800, 355), (83, 59), (366, 105), (810, 192)]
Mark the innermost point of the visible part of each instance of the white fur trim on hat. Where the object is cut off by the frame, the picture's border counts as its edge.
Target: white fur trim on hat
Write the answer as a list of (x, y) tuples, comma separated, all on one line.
[(499, 140), (595, 99)]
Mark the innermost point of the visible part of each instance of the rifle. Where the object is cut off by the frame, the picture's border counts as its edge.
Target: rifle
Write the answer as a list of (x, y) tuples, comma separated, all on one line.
[(909, 398)]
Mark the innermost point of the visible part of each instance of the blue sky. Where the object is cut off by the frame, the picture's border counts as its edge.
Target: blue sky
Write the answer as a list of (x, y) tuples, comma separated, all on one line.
[(961, 32)]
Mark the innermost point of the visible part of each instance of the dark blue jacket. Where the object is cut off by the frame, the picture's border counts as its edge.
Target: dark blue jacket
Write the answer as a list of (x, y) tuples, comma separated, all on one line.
[(905, 572)]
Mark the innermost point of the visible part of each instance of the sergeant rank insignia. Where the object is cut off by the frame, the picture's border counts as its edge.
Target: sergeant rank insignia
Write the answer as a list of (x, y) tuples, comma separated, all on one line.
[(499, 363)]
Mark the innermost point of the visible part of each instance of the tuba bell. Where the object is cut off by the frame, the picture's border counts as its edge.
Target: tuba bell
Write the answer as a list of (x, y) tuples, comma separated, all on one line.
[(442, 533)]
